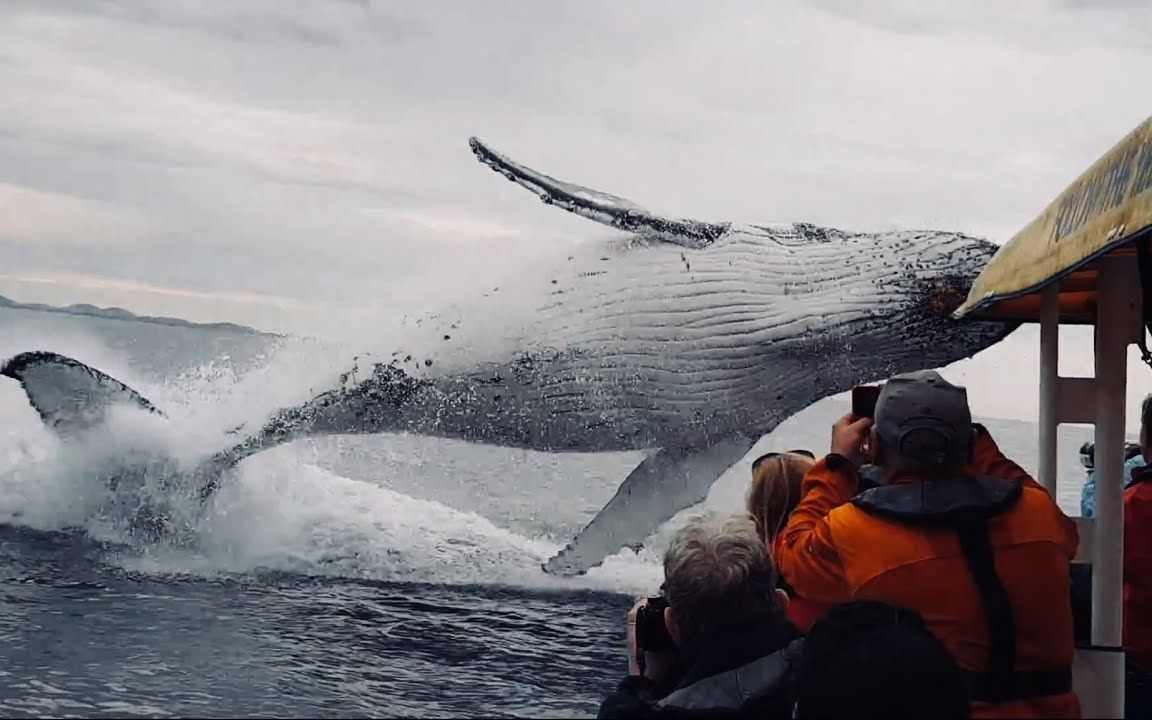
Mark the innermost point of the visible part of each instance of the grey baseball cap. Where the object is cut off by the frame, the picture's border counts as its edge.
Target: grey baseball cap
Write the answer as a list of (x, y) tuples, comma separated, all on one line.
[(923, 417)]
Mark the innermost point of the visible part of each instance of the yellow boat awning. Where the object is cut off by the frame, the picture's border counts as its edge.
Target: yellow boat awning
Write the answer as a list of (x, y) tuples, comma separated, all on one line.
[(1104, 212)]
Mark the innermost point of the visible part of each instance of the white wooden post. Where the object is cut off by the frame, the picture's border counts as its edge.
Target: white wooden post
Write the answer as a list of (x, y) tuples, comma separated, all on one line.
[(1118, 293)]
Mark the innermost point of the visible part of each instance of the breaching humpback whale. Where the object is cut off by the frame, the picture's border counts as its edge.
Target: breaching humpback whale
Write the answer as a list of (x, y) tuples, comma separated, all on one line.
[(685, 338)]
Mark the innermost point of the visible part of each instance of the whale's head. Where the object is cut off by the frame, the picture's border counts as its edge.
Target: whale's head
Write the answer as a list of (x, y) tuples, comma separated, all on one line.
[(872, 302), (934, 273)]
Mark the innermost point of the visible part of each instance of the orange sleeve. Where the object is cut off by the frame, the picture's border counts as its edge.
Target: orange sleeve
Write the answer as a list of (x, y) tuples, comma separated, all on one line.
[(808, 558), (987, 460)]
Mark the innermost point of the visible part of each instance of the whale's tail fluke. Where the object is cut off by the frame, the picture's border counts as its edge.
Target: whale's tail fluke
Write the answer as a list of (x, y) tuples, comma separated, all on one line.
[(600, 206), (70, 396)]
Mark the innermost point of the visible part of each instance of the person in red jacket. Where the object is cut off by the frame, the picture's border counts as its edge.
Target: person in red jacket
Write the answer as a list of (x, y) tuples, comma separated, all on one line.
[(959, 533), (1138, 578)]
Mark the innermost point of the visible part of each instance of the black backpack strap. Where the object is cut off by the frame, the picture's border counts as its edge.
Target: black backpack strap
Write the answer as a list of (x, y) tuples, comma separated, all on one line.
[(977, 548)]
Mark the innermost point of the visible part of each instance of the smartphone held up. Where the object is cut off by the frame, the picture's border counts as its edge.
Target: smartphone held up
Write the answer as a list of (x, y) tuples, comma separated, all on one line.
[(864, 399)]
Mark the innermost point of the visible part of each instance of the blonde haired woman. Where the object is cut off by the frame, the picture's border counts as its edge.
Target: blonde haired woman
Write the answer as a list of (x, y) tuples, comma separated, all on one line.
[(773, 495)]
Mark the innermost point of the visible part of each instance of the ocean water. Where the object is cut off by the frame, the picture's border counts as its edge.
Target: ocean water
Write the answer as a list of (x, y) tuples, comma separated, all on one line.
[(343, 576)]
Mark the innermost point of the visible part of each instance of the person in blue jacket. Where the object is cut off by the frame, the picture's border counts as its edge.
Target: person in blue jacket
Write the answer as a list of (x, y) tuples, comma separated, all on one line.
[(1132, 459)]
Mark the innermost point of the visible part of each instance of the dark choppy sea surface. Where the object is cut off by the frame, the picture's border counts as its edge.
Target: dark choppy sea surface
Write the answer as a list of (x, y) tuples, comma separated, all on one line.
[(383, 576), (85, 638)]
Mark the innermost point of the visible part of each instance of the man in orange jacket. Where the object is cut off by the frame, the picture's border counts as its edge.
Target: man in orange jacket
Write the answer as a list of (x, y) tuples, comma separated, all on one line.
[(958, 533)]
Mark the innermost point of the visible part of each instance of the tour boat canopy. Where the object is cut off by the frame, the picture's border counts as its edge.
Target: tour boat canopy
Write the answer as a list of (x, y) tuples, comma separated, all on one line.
[(1107, 211)]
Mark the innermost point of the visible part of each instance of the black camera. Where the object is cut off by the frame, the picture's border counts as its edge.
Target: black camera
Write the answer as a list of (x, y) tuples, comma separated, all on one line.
[(651, 632)]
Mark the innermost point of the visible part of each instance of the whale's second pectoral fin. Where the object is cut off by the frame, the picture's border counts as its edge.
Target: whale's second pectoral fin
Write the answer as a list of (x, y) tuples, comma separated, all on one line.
[(70, 396), (599, 206), (667, 482)]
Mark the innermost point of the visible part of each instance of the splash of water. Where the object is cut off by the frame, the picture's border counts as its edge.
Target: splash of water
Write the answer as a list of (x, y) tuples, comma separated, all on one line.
[(278, 511)]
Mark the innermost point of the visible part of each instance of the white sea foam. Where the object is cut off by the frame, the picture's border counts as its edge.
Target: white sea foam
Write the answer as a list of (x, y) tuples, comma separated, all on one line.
[(279, 510)]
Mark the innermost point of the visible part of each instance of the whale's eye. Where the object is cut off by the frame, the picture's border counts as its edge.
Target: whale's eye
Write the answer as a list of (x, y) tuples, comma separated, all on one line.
[(945, 294)]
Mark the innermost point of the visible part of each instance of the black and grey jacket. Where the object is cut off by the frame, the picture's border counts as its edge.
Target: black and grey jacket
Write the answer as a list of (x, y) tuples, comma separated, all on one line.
[(745, 672)]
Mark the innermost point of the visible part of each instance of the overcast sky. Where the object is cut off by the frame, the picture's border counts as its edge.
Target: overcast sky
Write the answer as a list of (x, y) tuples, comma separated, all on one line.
[(265, 161)]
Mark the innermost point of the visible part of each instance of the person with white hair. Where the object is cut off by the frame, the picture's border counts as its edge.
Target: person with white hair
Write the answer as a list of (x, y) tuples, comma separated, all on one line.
[(717, 641)]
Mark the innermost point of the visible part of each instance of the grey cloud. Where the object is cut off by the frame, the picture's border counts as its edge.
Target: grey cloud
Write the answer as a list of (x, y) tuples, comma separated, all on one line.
[(1051, 25), (318, 148)]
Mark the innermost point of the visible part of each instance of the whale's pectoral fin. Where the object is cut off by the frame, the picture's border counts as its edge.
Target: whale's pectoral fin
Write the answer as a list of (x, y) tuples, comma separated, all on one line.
[(667, 482), (601, 207), (70, 396)]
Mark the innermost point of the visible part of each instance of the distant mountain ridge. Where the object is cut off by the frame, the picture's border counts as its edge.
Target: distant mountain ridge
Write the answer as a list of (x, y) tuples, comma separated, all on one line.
[(115, 313)]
